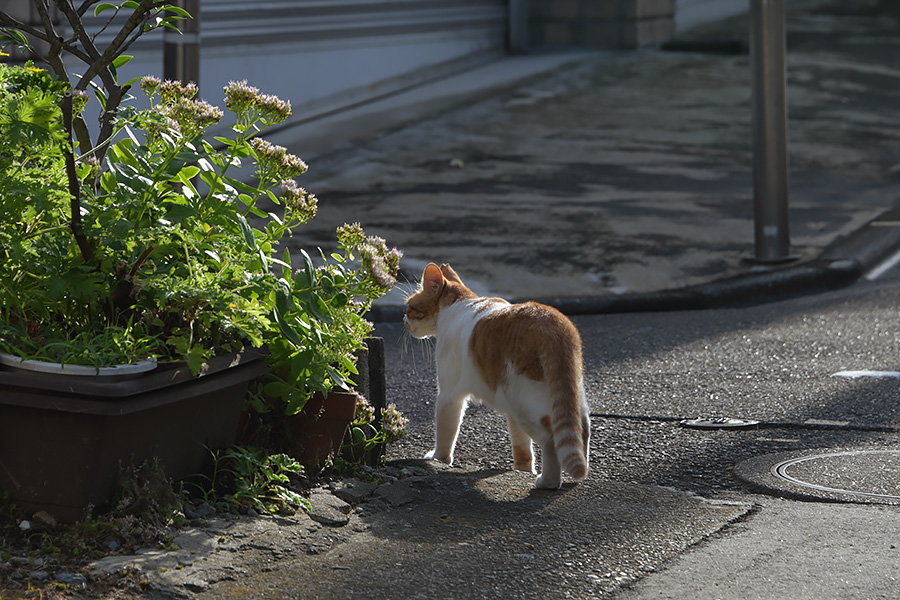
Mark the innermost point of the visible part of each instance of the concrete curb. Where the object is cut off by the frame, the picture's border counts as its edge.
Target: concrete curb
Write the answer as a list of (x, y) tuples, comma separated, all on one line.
[(843, 263)]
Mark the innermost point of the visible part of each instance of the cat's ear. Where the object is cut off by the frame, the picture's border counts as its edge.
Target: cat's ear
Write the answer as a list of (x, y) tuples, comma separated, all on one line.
[(433, 280), (448, 272)]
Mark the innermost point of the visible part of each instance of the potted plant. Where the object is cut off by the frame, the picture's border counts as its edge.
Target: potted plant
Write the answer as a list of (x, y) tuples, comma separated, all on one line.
[(370, 430), (147, 244), (320, 317)]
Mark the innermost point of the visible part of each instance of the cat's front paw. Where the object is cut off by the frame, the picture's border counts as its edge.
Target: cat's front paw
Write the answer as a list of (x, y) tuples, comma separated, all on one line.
[(444, 459)]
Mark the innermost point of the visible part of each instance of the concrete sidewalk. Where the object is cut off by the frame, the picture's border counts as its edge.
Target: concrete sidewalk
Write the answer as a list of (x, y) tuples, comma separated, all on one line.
[(596, 180)]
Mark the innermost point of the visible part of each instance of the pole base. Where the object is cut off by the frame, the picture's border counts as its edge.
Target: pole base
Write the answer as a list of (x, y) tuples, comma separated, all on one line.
[(771, 262)]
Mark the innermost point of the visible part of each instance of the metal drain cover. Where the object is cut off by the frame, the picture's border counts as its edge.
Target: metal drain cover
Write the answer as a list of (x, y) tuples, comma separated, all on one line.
[(719, 423), (863, 476)]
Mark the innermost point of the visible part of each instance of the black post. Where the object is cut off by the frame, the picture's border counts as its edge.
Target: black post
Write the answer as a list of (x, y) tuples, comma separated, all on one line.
[(181, 52), (371, 383)]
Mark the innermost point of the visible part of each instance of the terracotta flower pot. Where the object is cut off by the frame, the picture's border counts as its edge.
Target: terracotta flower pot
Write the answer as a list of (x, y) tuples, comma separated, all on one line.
[(62, 441), (319, 428)]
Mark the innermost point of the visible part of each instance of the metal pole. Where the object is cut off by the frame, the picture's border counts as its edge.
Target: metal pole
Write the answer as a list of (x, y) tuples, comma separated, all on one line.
[(181, 52), (518, 26), (770, 185)]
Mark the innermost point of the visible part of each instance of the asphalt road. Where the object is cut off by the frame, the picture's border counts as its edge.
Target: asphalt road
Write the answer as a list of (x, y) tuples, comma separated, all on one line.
[(774, 363), (644, 372)]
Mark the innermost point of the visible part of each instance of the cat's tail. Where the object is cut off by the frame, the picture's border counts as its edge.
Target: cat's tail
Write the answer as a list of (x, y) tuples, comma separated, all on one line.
[(562, 363)]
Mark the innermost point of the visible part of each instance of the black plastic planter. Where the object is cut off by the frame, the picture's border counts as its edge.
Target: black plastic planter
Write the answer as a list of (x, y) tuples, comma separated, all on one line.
[(62, 441)]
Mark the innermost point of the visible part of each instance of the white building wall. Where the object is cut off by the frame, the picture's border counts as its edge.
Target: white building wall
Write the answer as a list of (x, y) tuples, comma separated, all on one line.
[(324, 55)]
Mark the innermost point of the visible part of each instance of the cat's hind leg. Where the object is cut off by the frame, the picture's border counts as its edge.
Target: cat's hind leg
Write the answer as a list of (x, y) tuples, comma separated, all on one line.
[(551, 471), (586, 434), (523, 454), (448, 413)]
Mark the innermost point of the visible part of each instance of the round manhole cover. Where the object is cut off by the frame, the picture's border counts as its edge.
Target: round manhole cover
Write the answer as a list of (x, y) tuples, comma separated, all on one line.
[(718, 423), (841, 475)]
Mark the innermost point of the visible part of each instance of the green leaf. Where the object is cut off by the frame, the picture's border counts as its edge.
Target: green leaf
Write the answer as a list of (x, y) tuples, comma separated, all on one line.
[(296, 401), (264, 257), (189, 190), (165, 23), (108, 182), (280, 263), (189, 172), (348, 364), (133, 138), (308, 267), (195, 358), (188, 157), (177, 10), (359, 436), (246, 231), (179, 212), (210, 179), (241, 150), (256, 212), (287, 330), (336, 377), (301, 280), (124, 59), (240, 185), (283, 299), (15, 36), (101, 98), (286, 263), (101, 7), (131, 4), (276, 388)]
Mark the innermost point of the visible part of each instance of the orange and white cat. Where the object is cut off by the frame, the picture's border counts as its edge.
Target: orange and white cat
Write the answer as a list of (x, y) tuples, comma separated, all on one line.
[(524, 360)]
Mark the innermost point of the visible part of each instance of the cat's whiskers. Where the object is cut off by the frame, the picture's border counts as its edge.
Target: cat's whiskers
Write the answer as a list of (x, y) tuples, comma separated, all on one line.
[(409, 287), (426, 345)]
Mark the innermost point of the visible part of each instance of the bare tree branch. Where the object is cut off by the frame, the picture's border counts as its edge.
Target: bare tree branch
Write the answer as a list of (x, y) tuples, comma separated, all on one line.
[(9, 21), (74, 19), (82, 46), (74, 189), (96, 67), (54, 56), (67, 45), (135, 20), (55, 59), (105, 25), (86, 5)]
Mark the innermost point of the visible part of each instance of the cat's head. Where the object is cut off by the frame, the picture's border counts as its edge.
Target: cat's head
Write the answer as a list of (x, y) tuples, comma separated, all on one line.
[(440, 287)]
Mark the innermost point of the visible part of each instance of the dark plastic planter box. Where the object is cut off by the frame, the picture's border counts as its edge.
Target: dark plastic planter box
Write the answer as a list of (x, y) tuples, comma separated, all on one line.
[(62, 441)]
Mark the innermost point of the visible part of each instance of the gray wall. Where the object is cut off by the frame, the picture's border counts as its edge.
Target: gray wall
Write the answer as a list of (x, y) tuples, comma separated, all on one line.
[(690, 13)]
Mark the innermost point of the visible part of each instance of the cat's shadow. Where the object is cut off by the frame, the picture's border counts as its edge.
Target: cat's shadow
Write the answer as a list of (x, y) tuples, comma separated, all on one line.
[(508, 486), (461, 505), (495, 484)]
